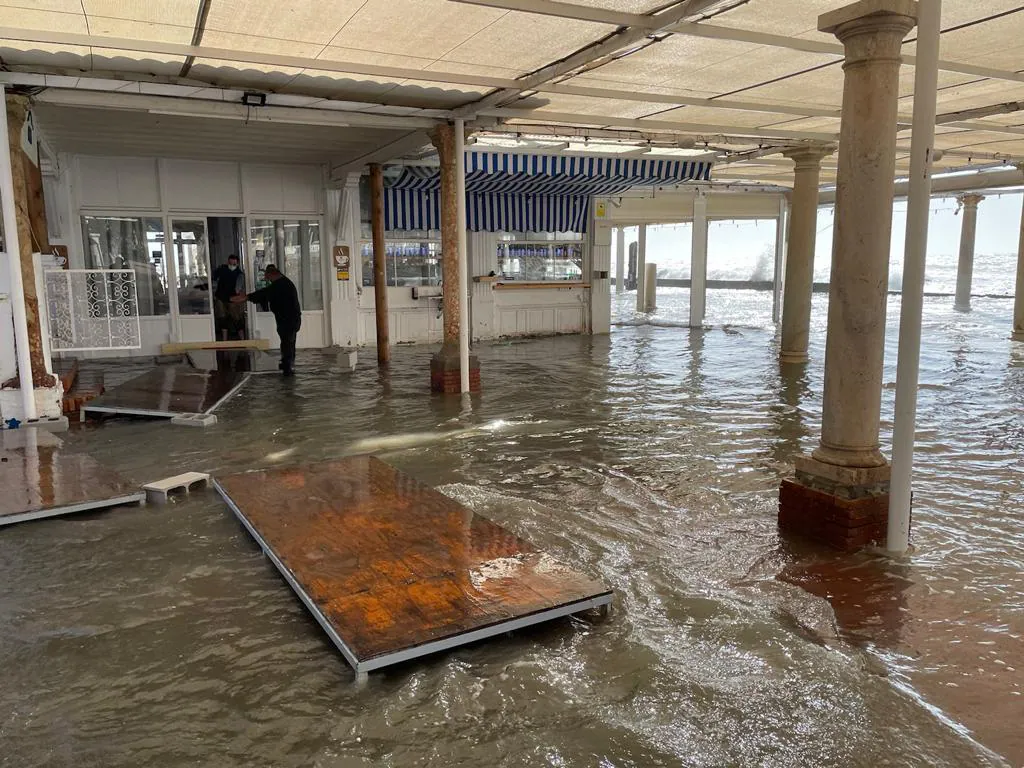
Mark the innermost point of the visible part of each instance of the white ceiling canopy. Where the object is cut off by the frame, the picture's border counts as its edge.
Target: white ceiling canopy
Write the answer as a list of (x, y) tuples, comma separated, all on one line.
[(724, 75)]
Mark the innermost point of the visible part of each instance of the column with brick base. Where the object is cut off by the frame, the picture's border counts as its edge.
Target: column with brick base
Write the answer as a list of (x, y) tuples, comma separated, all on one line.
[(839, 495), (445, 368)]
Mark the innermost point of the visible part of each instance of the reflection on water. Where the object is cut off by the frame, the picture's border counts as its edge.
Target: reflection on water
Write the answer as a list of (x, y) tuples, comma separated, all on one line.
[(161, 635)]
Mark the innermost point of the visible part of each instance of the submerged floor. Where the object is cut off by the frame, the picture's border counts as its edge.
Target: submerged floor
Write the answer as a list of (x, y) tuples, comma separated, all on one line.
[(161, 636)]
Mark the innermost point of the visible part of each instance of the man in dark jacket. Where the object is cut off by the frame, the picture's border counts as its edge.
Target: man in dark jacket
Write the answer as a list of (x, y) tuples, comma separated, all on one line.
[(229, 280), (283, 299)]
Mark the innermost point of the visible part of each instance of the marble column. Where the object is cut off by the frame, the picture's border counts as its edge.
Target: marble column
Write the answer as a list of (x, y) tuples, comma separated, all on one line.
[(641, 268), (965, 268), (803, 229), (840, 492), (1018, 301)]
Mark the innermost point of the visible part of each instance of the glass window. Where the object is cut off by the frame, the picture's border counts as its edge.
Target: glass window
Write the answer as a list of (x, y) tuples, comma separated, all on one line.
[(193, 266), (293, 245), (537, 260), (136, 243), (410, 258)]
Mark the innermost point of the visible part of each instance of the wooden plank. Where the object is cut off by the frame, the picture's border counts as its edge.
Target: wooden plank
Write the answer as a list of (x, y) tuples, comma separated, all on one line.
[(170, 391), (393, 569), (177, 347), (42, 479)]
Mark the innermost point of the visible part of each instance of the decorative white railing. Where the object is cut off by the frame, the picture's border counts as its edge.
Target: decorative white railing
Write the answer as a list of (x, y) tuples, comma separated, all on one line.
[(92, 309)]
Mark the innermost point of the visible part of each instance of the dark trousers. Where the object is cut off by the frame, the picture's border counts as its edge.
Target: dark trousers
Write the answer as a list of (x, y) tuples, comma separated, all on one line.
[(287, 346)]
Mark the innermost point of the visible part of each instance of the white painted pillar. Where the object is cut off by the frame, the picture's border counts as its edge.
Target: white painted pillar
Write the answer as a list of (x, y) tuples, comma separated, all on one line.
[(922, 142), (620, 259), (965, 269), (1018, 301), (780, 259), (699, 260), (13, 246), (460, 192), (803, 230), (641, 261), (650, 287)]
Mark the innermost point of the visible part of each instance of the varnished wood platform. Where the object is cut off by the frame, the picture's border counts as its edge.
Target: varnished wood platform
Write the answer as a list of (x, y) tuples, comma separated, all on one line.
[(41, 479), (170, 391), (392, 569)]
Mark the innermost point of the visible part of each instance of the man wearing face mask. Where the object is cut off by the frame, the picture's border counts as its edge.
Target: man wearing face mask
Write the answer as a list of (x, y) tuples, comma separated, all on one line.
[(229, 280)]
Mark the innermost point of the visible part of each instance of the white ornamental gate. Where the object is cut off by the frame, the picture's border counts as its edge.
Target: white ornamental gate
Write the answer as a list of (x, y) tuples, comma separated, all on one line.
[(92, 309)]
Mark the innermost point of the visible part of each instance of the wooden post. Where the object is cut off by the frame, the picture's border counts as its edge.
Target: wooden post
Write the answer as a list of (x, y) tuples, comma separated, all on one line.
[(444, 140), (380, 281), (446, 366), (17, 110)]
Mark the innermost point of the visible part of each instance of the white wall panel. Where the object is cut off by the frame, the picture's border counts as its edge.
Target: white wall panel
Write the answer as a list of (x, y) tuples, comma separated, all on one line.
[(195, 185), (282, 188), (118, 182)]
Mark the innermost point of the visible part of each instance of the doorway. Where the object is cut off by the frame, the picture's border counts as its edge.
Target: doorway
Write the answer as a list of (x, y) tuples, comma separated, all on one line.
[(227, 240)]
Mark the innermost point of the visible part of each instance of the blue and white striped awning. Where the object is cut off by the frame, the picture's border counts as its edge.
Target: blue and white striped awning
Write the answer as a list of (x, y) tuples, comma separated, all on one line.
[(528, 193)]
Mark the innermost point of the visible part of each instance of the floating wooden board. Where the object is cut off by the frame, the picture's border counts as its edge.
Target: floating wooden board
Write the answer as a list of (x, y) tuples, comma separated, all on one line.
[(392, 569), (177, 347), (170, 391), (41, 479)]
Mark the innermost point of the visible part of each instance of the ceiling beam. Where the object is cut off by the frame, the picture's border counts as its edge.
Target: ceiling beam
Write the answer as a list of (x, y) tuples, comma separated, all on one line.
[(626, 36), (390, 150), (687, 101), (197, 34), (165, 105), (645, 24), (249, 57), (655, 125)]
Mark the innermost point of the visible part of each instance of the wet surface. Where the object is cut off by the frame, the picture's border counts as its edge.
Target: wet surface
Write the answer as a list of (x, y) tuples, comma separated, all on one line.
[(161, 636), (41, 478), (392, 564), (170, 390)]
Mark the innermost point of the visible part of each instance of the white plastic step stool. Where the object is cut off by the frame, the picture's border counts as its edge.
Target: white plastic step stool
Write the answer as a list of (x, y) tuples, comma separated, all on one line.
[(194, 420), (161, 490)]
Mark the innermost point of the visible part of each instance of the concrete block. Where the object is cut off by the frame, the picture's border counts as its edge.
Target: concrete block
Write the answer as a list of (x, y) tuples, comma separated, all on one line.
[(160, 491)]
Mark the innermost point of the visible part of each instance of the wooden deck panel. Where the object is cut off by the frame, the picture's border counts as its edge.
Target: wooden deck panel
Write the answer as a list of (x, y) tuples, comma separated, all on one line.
[(169, 391), (41, 479), (393, 565)]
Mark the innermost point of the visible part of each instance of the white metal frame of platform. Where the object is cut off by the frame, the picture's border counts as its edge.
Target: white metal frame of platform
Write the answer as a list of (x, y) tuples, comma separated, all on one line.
[(361, 668), (88, 408), (70, 509)]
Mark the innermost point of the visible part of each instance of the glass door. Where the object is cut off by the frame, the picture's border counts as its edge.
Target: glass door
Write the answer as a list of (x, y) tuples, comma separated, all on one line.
[(193, 289)]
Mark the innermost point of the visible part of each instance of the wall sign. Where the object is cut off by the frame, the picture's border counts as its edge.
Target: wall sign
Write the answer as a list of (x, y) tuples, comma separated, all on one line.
[(342, 261)]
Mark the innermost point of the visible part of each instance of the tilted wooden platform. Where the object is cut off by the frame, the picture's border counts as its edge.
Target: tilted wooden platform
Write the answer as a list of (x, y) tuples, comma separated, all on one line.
[(392, 569), (169, 391), (41, 479), (177, 347)]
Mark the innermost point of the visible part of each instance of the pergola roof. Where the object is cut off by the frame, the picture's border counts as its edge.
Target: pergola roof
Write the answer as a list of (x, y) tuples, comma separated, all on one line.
[(745, 78)]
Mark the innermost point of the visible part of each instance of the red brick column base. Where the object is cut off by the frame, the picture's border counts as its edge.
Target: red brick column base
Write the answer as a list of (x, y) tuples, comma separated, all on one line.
[(446, 373), (842, 523)]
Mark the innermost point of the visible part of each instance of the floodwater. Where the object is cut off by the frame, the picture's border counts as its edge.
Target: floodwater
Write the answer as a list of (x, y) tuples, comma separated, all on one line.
[(161, 636)]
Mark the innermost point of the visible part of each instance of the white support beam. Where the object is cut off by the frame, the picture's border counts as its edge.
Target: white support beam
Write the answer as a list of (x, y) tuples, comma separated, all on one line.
[(656, 125), (687, 101), (625, 37), (391, 150), (651, 24), (50, 37), (167, 105)]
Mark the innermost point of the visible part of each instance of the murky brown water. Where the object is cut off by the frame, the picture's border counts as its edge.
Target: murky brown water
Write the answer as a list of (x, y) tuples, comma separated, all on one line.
[(162, 636)]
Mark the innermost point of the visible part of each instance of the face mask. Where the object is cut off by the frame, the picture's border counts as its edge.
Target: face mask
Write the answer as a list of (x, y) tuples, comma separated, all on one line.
[(232, 267)]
